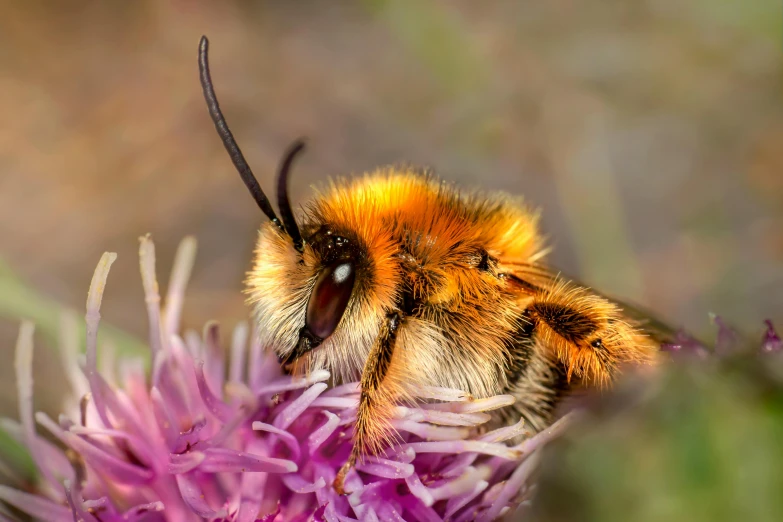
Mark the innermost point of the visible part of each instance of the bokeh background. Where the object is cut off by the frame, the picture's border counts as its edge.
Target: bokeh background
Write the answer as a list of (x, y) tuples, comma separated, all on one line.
[(650, 134)]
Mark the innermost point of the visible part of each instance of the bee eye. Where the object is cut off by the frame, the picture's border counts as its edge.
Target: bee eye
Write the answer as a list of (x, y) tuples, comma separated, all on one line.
[(329, 298)]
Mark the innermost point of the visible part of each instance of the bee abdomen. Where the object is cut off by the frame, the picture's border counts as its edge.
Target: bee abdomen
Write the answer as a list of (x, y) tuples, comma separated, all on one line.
[(535, 379)]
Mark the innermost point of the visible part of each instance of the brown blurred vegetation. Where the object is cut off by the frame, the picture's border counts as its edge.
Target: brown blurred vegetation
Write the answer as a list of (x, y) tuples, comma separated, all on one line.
[(649, 132)]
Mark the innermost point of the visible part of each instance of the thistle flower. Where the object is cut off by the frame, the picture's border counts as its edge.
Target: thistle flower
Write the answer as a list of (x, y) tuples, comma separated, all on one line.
[(202, 436)]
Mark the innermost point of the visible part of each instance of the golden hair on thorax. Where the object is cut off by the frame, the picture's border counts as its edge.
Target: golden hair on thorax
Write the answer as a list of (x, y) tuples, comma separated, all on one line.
[(400, 280)]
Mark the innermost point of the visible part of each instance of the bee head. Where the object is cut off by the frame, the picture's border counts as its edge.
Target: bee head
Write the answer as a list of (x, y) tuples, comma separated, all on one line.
[(335, 278), (324, 297)]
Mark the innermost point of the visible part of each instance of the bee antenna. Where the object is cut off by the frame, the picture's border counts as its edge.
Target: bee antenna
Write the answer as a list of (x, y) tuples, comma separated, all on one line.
[(228, 139), (283, 203)]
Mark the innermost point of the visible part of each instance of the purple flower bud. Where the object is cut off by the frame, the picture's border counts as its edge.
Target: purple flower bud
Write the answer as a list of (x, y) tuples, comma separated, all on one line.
[(771, 342), (687, 346), (727, 341)]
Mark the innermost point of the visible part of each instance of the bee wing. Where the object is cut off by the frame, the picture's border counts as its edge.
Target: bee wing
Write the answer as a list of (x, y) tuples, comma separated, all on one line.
[(657, 329), (536, 278)]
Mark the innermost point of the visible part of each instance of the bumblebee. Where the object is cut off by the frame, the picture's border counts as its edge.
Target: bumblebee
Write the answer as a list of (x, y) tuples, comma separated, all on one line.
[(399, 280)]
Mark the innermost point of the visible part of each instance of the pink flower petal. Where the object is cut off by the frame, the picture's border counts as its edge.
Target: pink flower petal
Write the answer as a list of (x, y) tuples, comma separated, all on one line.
[(387, 512), (419, 490), (299, 485), (445, 418), (341, 403), (51, 454), (510, 489), (459, 486), (456, 503), (35, 506), (189, 438), (270, 517), (180, 274), (289, 440), (185, 462), (219, 460), (111, 466), (162, 418), (385, 468), (213, 356), (771, 342), (323, 432), (106, 464), (422, 512), (318, 514), (23, 364), (350, 388), (93, 317), (296, 383), (238, 351), (299, 405), (75, 501), (430, 432), (461, 446), (505, 433), (141, 512), (194, 497), (171, 381), (473, 406), (151, 292), (215, 405)]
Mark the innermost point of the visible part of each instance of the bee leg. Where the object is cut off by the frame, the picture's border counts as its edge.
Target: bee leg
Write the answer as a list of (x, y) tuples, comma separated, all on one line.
[(588, 334), (372, 419)]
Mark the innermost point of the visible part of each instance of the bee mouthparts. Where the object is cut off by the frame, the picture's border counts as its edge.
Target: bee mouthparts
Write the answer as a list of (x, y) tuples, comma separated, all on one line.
[(307, 341)]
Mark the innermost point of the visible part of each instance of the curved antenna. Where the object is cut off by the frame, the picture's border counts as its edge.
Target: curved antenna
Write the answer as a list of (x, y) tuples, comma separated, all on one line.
[(283, 202), (228, 139)]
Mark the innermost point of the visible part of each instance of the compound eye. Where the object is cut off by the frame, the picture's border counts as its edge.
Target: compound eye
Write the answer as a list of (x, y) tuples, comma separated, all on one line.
[(329, 298)]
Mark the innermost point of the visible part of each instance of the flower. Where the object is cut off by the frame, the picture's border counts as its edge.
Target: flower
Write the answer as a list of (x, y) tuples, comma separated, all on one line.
[(202, 436)]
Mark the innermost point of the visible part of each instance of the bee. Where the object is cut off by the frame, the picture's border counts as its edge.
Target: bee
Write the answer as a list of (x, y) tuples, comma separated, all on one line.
[(401, 280)]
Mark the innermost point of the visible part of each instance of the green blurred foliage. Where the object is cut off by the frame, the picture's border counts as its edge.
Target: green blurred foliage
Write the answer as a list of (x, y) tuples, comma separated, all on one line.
[(705, 446), (437, 39), (19, 301), (17, 459)]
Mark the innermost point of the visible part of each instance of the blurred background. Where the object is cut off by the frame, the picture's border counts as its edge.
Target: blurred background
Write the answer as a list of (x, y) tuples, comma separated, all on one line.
[(649, 133)]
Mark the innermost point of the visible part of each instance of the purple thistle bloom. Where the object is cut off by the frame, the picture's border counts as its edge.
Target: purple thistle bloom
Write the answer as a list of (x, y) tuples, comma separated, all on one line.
[(685, 345), (771, 342), (727, 343), (196, 440)]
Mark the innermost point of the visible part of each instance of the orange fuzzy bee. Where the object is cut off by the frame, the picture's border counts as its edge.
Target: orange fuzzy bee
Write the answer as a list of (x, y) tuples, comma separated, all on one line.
[(402, 280)]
